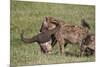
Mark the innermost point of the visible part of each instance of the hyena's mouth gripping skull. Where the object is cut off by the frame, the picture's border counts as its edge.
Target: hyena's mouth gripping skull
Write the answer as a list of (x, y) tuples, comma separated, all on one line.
[(47, 23)]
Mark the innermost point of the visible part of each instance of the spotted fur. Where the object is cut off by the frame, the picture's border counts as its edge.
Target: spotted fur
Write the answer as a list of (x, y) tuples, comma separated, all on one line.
[(68, 33)]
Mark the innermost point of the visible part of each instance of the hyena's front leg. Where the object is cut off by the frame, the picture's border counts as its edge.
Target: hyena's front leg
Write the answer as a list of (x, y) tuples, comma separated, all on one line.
[(60, 43)]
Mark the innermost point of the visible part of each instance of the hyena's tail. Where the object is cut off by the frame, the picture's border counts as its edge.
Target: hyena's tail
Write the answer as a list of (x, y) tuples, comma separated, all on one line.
[(85, 24)]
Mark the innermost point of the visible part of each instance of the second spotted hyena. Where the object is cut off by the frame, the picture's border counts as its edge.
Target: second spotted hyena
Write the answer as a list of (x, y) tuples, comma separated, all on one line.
[(89, 44)]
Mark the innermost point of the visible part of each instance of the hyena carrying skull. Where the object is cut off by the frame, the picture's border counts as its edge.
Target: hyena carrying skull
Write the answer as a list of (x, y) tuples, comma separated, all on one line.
[(68, 33), (43, 38)]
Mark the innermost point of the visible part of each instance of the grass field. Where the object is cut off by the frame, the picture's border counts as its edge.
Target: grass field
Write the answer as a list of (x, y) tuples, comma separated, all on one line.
[(29, 16)]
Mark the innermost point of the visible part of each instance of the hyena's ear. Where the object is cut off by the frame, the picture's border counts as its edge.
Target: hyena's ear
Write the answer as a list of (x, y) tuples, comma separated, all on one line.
[(45, 18), (45, 22)]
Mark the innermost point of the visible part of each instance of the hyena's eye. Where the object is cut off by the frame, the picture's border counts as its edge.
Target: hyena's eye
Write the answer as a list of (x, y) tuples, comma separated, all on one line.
[(54, 21)]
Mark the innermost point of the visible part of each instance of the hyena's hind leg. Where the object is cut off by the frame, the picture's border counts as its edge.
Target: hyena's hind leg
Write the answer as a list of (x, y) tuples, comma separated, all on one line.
[(82, 47)]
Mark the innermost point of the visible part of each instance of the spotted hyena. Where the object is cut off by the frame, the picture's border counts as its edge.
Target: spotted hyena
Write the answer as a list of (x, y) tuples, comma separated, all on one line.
[(68, 33)]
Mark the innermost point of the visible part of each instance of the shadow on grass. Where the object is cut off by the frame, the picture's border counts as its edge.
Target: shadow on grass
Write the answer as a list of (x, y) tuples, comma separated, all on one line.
[(66, 53), (71, 54), (87, 54)]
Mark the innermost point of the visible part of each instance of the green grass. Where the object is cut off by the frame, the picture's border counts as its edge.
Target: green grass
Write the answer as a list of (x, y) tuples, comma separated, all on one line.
[(29, 16)]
